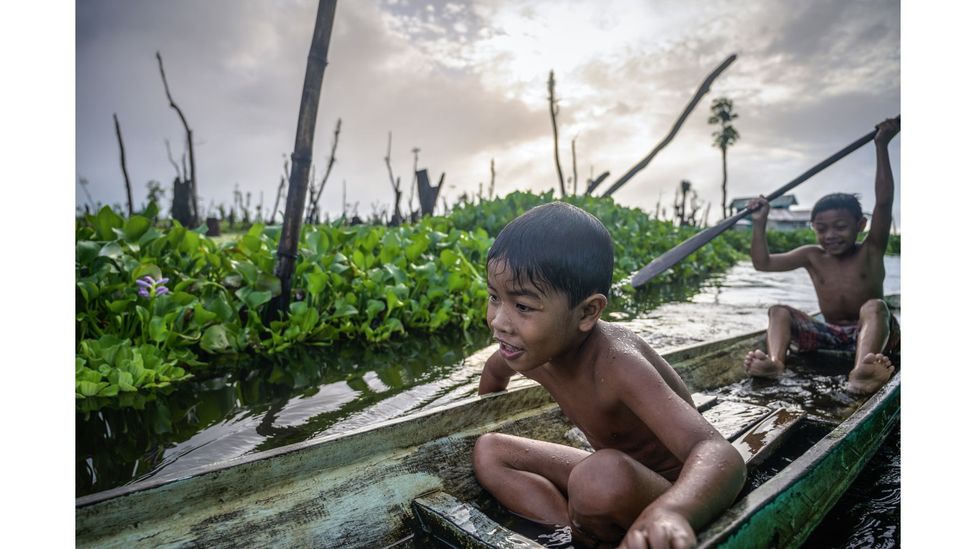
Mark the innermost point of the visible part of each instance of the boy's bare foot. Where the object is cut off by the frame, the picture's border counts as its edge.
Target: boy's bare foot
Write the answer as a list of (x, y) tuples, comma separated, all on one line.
[(867, 377), (758, 364)]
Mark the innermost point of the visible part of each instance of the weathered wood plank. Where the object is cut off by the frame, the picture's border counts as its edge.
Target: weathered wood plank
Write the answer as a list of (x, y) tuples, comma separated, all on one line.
[(456, 523), (763, 438)]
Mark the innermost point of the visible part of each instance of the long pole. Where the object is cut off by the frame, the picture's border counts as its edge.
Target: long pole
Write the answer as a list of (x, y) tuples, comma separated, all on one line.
[(301, 159), (670, 258), (702, 90)]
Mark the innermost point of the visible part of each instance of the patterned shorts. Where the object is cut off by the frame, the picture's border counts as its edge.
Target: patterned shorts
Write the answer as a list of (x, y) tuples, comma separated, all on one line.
[(809, 334)]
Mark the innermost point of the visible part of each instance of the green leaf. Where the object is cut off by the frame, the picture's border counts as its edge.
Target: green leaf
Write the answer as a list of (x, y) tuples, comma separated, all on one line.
[(215, 339), (157, 329), (317, 282), (112, 249), (105, 221), (135, 227), (89, 388), (86, 251), (374, 306), (147, 269), (202, 316)]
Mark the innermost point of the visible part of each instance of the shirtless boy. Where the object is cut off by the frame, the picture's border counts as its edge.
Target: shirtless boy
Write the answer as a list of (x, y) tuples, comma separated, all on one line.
[(848, 277), (660, 470)]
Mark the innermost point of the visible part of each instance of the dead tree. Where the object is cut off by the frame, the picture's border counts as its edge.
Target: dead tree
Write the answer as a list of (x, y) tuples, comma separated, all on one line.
[(181, 210), (189, 144), (397, 217), (125, 172), (281, 187), (301, 158), (427, 193), (575, 175), (413, 182), (491, 184), (313, 209), (702, 90), (553, 111)]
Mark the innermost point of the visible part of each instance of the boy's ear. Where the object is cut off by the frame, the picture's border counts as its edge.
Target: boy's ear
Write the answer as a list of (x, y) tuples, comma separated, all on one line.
[(861, 224), (590, 310)]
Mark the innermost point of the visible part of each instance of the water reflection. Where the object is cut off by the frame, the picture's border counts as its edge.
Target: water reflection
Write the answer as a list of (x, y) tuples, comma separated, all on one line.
[(257, 407)]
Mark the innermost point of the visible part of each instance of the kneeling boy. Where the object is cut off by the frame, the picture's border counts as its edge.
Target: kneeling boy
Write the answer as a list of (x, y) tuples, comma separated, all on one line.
[(660, 470)]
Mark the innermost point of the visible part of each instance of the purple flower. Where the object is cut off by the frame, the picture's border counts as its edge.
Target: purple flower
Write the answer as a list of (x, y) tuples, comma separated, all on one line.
[(150, 287)]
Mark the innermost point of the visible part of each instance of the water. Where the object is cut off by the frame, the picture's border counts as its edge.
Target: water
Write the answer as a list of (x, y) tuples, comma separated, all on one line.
[(326, 392)]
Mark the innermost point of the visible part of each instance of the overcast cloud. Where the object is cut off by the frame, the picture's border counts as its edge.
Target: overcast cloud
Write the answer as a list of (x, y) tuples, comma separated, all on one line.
[(465, 82)]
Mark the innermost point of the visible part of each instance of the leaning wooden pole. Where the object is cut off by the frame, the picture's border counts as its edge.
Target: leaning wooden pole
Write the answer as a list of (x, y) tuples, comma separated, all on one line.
[(125, 172), (301, 159), (702, 90)]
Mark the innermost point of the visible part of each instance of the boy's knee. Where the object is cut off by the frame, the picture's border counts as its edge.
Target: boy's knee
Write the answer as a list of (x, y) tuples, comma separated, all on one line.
[(779, 312), (874, 308), (486, 451), (599, 483)]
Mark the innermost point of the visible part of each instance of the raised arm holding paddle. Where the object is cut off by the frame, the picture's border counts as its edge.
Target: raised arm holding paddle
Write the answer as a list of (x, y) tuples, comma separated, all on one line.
[(848, 277), (670, 258)]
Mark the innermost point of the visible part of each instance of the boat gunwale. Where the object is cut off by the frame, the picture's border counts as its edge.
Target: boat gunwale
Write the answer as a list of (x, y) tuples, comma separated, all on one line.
[(740, 514), (88, 500)]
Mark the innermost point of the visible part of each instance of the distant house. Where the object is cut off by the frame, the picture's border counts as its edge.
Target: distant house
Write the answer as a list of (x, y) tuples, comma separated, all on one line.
[(781, 217)]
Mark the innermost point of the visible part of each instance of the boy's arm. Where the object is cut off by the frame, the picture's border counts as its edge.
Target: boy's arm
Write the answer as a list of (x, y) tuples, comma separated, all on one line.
[(762, 260), (884, 186), (495, 375), (713, 471)]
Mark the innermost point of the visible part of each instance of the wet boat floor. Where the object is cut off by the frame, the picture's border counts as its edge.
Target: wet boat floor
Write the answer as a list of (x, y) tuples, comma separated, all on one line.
[(813, 383)]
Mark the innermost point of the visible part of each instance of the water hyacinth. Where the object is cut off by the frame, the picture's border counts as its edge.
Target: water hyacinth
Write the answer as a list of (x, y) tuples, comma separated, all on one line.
[(150, 287)]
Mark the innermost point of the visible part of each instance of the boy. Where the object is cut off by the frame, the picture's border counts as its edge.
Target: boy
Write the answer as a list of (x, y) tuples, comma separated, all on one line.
[(848, 277), (660, 470)]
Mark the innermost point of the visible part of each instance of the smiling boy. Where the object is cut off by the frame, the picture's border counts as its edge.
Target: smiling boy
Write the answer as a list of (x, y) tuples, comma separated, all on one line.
[(848, 277), (660, 470)]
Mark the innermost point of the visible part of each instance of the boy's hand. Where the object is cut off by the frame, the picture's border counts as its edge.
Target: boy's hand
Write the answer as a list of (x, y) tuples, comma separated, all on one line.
[(763, 208), (661, 530), (887, 130)]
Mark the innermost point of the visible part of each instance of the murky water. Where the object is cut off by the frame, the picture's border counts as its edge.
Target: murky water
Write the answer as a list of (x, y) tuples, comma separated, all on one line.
[(303, 396)]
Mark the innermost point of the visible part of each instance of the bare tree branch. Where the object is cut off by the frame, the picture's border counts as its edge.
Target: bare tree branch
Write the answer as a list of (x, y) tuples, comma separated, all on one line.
[(553, 111), (125, 172), (189, 141)]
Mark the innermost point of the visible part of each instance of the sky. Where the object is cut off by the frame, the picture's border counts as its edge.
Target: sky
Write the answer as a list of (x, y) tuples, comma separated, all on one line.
[(465, 83)]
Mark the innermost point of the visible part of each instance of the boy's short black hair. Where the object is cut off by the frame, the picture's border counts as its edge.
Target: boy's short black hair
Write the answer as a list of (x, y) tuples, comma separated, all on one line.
[(557, 246), (838, 201)]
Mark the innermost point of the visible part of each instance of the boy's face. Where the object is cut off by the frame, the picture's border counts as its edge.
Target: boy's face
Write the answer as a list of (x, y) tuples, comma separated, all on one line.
[(837, 230), (530, 326)]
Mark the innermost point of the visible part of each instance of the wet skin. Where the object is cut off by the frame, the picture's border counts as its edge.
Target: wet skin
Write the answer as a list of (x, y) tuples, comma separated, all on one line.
[(848, 277), (632, 407)]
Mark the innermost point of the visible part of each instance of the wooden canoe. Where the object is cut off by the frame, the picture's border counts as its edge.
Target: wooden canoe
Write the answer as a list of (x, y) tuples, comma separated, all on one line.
[(408, 481)]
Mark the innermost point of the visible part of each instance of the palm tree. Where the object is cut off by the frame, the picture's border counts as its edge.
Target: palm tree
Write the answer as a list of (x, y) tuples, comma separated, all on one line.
[(725, 137)]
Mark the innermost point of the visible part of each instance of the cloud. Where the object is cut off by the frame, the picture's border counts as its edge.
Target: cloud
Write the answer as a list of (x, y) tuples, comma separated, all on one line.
[(465, 82)]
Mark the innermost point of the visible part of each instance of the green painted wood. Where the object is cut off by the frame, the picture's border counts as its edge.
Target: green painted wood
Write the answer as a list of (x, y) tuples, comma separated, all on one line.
[(785, 510)]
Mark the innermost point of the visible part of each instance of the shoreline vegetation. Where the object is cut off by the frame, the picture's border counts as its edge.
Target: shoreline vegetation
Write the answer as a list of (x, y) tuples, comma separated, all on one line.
[(158, 303)]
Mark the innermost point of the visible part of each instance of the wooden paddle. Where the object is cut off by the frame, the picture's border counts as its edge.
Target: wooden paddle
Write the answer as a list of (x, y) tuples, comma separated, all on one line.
[(671, 257)]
